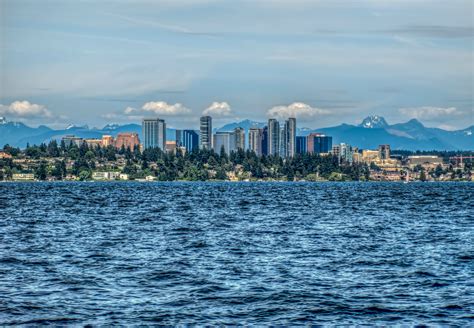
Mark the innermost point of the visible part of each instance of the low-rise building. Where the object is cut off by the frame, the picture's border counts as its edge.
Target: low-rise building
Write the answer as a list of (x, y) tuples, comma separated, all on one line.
[(127, 140), (93, 143), (170, 146), (105, 175), (150, 178), (23, 177), (70, 140), (369, 156), (107, 140), (4, 155), (427, 161)]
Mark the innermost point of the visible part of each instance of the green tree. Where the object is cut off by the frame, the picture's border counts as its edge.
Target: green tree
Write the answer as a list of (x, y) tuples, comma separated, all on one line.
[(422, 175), (41, 172), (84, 175)]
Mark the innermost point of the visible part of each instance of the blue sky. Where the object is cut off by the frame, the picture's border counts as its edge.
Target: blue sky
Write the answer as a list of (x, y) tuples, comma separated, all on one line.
[(326, 62)]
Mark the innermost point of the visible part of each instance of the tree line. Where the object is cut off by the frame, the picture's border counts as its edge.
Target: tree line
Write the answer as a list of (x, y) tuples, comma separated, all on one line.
[(50, 160)]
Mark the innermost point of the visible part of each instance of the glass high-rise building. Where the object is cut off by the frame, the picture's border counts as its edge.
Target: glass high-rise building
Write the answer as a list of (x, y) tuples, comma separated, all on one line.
[(206, 132), (188, 139), (273, 137), (301, 145), (290, 137), (265, 141), (256, 140), (239, 138), (318, 143), (154, 133)]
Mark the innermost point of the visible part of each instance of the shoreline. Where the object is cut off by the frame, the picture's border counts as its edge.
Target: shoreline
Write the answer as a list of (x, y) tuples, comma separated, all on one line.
[(227, 181)]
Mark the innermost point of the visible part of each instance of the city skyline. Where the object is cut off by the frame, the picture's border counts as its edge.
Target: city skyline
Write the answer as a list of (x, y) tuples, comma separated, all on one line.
[(177, 60)]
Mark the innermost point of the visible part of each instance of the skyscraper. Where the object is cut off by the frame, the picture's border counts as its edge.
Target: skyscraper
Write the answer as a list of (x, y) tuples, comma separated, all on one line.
[(189, 140), (223, 140), (319, 143), (239, 138), (283, 144), (206, 132), (301, 145), (265, 141), (154, 133), (256, 141), (273, 137), (290, 137)]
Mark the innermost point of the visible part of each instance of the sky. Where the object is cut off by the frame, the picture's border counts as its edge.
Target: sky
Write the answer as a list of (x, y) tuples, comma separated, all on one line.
[(325, 62)]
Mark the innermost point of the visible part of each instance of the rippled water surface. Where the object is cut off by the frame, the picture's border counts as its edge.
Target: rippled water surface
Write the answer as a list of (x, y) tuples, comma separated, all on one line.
[(236, 253)]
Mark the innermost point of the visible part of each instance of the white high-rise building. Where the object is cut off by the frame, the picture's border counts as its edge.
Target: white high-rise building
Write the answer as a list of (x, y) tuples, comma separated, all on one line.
[(154, 133)]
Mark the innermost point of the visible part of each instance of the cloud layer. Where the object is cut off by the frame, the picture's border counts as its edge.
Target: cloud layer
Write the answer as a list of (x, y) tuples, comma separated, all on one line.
[(297, 110), (218, 109), (429, 112), (25, 109), (159, 108)]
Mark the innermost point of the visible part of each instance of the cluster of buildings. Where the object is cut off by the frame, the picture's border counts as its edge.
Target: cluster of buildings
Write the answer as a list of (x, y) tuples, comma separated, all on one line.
[(270, 140), (126, 139), (276, 138)]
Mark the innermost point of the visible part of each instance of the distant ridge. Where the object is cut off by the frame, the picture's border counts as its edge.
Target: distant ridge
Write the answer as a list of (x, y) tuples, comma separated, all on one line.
[(372, 131)]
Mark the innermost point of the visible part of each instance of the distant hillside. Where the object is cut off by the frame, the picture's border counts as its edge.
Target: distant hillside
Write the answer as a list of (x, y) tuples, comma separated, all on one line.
[(374, 130)]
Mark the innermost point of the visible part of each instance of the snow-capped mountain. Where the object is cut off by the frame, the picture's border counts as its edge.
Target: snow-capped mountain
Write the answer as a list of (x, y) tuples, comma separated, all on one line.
[(73, 126), (3, 120), (374, 122)]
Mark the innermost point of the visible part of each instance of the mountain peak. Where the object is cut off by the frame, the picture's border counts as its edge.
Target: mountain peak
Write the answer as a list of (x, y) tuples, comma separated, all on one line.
[(374, 122), (415, 123), (111, 126), (3, 120), (73, 126)]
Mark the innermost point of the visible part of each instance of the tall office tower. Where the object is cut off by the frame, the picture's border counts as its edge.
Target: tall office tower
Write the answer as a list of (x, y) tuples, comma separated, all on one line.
[(290, 137), (256, 140), (239, 138), (179, 138), (318, 143), (265, 141), (154, 133), (223, 140), (384, 152), (206, 132), (273, 137), (189, 140), (283, 143), (301, 147)]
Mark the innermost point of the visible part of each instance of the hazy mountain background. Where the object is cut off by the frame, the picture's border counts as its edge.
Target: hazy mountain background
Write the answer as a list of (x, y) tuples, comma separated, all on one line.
[(372, 131)]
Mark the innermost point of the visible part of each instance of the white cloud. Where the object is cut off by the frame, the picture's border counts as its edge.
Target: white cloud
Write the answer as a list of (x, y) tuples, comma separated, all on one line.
[(297, 110), (129, 110), (25, 109), (429, 112), (218, 109), (159, 108)]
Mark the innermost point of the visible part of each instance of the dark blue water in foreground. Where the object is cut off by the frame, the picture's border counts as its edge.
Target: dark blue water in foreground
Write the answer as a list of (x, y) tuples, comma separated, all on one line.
[(243, 253)]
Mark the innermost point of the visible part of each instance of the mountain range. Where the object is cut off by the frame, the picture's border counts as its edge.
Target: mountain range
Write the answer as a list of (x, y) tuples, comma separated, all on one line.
[(371, 132)]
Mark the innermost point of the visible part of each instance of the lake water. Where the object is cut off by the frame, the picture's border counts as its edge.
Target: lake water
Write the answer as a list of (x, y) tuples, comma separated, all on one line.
[(236, 253)]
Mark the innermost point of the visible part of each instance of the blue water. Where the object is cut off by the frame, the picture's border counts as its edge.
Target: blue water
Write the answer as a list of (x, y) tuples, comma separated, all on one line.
[(236, 253)]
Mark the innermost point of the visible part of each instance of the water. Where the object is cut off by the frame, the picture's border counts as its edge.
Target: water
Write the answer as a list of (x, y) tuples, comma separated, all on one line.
[(236, 253)]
